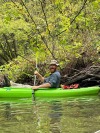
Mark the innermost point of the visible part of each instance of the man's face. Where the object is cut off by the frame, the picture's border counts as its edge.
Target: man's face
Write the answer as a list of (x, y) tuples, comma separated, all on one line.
[(52, 68)]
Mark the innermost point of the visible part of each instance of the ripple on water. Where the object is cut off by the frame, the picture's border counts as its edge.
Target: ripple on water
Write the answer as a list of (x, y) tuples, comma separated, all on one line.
[(72, 115)]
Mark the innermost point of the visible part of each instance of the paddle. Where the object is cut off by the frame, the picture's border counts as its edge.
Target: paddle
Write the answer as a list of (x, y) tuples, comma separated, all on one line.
[(36, 68), (35, 75)]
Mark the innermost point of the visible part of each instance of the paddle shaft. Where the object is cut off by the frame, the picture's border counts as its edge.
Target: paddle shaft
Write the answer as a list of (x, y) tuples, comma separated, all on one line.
[(35, 75)]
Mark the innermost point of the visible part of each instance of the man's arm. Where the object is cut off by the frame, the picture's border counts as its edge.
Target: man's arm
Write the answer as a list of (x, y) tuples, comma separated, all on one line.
[(45, 85)]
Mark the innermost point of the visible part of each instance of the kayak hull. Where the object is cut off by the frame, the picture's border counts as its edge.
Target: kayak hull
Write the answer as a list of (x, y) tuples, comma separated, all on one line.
[(14, 92), (68, 93)]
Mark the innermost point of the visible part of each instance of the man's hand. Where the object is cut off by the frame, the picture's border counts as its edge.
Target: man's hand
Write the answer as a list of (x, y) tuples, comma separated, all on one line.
[(36, 73), (39, 76), (35, 87)]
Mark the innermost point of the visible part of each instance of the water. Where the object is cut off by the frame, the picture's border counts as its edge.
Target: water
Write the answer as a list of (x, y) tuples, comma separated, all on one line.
[(74, 115)]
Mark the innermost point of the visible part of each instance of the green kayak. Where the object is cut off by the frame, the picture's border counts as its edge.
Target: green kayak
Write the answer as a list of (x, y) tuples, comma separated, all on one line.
[(13, 92)]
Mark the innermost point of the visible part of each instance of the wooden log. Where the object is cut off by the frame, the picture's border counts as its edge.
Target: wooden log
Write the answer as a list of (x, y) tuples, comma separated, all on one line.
[(88, 76)]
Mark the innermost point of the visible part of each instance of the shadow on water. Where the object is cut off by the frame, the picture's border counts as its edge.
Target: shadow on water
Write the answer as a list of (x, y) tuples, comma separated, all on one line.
[(73, 115)]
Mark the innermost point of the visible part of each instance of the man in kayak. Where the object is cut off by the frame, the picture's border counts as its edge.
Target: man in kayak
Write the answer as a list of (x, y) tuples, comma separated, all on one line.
[(53, 81)]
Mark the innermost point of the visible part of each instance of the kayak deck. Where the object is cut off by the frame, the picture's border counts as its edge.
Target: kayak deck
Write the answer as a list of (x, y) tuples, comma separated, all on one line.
[(14, 92)]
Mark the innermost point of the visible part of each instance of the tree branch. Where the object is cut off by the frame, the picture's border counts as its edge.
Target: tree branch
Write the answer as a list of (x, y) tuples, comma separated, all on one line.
[(42, 38), (74, 17), (4, 58), (14, 45), (79, 11), (45, 17), (9, 49)]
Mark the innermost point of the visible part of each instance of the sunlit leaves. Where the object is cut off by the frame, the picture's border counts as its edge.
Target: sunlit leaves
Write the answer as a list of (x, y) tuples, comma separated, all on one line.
[(36, 28)]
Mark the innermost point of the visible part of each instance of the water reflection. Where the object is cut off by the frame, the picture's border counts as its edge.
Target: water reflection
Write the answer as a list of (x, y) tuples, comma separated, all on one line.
[(55, 116), (51, 116), (7, 113)]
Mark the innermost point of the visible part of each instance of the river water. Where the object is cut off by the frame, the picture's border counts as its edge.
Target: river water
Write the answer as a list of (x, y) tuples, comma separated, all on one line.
[(70, 115)]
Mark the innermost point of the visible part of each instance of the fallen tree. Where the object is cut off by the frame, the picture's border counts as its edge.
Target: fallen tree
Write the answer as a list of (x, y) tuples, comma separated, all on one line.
[(87, 77)]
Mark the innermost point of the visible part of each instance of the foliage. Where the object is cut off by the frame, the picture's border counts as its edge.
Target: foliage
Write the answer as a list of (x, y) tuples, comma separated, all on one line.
[(65, 30)]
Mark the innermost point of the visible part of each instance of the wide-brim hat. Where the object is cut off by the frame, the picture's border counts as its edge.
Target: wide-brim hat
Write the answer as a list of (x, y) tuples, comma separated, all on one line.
[(54, 62)]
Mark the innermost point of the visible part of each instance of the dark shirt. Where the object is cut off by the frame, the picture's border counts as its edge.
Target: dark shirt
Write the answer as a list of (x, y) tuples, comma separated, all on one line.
[(53, 79)]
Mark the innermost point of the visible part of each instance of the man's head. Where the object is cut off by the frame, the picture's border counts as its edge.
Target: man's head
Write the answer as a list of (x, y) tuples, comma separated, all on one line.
[(53, 66)]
